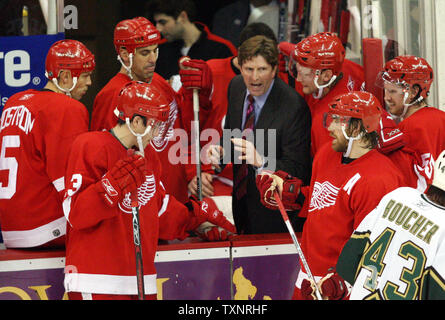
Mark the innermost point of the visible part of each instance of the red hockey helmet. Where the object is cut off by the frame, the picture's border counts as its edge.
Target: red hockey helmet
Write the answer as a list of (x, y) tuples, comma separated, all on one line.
[(68, 55), (356, 104), (320, 51), (135, 33), (408, 71), (141, 98)]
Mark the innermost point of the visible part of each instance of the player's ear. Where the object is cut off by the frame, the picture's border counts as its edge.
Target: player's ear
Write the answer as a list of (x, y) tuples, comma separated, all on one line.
[(124, 54), (414, 90), (138, 122), (64, 77), (326, 75), (182, 17)]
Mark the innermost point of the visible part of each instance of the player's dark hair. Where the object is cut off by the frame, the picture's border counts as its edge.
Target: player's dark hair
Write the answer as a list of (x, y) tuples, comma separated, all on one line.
[(256, 29), (370, 139), (419, 90), (171, 8), (144, 120), (436, 195)]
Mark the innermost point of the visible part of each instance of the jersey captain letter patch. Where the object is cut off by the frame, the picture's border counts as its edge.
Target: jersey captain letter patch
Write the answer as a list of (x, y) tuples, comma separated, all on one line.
[(324, 195)]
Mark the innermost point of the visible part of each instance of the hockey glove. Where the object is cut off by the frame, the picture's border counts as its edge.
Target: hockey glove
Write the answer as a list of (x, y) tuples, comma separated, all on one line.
[(267, 184), (286, 48), (308, 290), (210, 232), (390, 137), (334, 287), (206, 210), (126, 176), (196, 74)]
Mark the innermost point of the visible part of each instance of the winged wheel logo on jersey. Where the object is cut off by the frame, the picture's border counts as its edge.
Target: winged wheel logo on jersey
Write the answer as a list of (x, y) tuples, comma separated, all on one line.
[(145, 192), (324, 195), (160, 142)]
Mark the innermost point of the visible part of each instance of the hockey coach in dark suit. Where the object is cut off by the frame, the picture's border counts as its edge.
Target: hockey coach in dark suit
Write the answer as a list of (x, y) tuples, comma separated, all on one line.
[(267, 127)]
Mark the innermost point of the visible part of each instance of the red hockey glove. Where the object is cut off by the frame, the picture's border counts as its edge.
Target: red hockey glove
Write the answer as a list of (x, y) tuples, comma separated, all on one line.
[(390, 137), (126, 176), (308, 290), (286, 48), (206, 210), (291, 188), (213, 233), (333, 286), (196, 74), (266, 186)]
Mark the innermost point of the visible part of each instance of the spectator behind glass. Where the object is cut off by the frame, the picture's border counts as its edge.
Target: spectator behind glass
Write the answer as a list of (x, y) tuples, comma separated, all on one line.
[(174, 20)]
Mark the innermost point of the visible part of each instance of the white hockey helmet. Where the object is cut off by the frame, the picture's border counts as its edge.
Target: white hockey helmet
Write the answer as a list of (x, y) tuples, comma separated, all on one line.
[(439, 172)]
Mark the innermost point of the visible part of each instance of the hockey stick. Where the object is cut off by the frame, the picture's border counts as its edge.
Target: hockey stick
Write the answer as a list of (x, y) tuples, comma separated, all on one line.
[(197, 146), (297, 245), (137, 242), (138, 248)]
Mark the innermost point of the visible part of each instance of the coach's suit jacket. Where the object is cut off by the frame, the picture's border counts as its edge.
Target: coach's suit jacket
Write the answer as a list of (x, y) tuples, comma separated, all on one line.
[(286, 112)]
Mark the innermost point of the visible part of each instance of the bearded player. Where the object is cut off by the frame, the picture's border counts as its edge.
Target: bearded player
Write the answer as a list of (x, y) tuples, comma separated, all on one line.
[(397, 252), (349, 177)]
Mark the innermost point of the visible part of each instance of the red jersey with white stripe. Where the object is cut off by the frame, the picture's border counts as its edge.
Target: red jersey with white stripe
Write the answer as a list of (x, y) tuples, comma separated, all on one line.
[(424, 132), (103, 117), (352, 80), (340, 196), (100, 254), (37, 130)]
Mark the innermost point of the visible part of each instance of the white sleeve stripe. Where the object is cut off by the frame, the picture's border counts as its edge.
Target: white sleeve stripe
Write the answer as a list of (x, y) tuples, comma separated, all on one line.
[(164, 205), (59, 184), (66, 205)]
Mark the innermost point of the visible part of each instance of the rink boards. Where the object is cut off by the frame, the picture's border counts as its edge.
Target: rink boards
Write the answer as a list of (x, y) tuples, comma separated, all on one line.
[(256, 267)]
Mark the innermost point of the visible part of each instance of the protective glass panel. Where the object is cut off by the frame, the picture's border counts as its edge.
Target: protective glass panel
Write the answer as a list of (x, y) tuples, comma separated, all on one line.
[(22, 18)]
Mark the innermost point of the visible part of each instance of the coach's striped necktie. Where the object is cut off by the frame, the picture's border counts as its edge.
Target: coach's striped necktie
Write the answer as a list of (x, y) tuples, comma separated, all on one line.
[(241, 177)]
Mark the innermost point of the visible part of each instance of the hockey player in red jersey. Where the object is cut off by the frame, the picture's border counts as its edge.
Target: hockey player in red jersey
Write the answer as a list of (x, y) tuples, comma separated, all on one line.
[(349, 177), (101, 177), (136, 43), (406, 81), (36, 133), (138, 61), (318, 64), (398, 251)]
